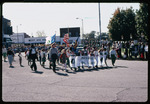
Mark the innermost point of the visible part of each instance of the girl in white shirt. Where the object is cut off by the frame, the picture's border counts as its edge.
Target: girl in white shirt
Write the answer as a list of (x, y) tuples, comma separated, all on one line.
[(101, 55), (105, 56), (96, 57)]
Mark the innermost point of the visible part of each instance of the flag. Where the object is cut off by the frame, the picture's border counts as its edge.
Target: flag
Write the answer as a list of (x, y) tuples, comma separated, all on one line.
[(66, 38), (53, 38), (48, 40), (76, 43)]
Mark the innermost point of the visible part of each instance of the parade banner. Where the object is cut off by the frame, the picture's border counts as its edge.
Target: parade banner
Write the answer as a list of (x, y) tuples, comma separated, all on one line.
[(78, 61), (72, 61)]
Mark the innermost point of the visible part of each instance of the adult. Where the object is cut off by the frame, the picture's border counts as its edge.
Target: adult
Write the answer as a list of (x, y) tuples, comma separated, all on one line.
[(4, 51), (53, 54), (10, 55), (113, 55), (33, 56)]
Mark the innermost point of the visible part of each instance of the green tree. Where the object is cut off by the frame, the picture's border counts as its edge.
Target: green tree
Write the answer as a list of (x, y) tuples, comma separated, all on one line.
[(122, 24), (142, 20)]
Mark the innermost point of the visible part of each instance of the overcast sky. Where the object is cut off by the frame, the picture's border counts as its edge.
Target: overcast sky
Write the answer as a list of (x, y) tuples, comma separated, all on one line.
[(49, 17)]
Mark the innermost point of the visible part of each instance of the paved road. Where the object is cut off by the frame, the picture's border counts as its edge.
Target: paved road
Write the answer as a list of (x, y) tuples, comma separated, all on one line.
[(126, 82)]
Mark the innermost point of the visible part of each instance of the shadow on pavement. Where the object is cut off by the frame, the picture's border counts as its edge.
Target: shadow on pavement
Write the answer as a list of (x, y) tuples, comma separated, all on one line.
[(62, 74), (120, 67), (38, 72), (11, 67)]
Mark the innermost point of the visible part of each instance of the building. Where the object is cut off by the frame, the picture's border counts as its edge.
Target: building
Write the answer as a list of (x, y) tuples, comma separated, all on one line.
[(6, 32), (35, 40), (18, 39)]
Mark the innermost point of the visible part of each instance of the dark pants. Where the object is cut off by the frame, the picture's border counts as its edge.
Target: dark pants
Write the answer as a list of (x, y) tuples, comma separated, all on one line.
[(34, 65), (113, 59), (54, 58), (20, 61)]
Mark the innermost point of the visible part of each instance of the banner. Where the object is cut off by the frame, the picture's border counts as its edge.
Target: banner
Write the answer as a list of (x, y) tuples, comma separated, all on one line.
[(78, 61)]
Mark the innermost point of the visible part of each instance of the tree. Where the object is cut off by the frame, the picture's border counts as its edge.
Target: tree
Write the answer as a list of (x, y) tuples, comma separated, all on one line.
[(142, 20), (40, 33), (122, 24)]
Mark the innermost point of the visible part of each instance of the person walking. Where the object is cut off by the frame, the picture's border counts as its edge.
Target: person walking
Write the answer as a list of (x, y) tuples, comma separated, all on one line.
[(105, 56), (96, 56), (113, 55), (20, 58), (101, 55), (53, 54), (63, 56), (33, 56), (10, 55), (43, 57), (4, 52)]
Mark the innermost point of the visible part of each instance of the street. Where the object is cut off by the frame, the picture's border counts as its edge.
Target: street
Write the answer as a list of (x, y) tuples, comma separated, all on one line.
[(127, 81)]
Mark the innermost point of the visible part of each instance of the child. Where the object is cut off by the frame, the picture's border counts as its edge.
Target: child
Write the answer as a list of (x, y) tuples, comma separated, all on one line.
[(43, 57), (101, 55), (96, 57), (63, 56), (20, 58), (92, 58), (105, 56)]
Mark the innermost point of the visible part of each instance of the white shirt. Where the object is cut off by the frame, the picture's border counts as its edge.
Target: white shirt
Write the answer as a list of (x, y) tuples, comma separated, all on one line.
[(4, 50), (113, 52), (146, 48), (95, 53), (43, 53)]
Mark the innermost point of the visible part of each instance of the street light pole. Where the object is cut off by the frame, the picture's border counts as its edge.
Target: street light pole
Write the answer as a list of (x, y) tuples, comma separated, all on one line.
[(82, 27), (99, 22)]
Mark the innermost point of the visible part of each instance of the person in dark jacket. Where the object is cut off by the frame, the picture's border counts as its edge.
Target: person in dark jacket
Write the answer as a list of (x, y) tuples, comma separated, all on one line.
[(10, 55), (53, 55), (33, 56)]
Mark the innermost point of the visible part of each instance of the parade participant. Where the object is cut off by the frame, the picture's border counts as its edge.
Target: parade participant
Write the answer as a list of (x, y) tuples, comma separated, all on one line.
[(20, 58), (53, 54), (85, 53), (33, 56), (59, 53), (113, 55), (63, 56), (10, 55), (28, 58), (96, 56), (4, 51), (39, 52), (101, 55), (68, 53), (43, 57), (105, 56), (92, 58)]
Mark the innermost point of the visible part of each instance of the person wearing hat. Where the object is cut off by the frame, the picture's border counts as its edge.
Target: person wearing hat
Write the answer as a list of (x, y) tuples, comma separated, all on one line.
[(113, 55), (33, 56), (53, 54)]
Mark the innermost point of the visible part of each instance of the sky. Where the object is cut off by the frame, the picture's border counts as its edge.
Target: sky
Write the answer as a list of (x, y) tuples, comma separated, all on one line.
[(50, 17)]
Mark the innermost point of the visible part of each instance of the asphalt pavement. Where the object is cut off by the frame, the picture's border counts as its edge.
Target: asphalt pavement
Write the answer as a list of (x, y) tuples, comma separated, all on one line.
[(127, 81)]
